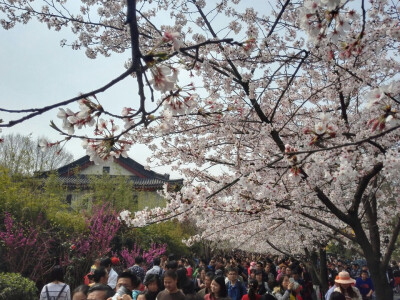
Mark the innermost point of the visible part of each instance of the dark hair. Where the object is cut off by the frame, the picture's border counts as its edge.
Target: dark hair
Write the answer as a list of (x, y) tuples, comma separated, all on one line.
[(81, 289), (132, 276), (280, 282), (138, 259), (98, 273), (102, 287), (364, 271), (210, 275), (171, 256), (152, 278), (201, 269), (171, 273), (233, 269), (253, 286), (223, 292), (182, 278), (156, 261), (349, 291), (172, 265), (258, 272), (105, 262), (57, 274), (337, 296)]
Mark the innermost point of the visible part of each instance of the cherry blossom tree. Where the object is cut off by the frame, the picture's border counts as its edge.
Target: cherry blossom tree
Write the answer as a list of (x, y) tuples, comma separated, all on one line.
[(283, 118)]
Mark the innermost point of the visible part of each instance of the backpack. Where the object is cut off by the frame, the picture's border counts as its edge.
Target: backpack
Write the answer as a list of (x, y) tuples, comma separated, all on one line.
[(52, 297)]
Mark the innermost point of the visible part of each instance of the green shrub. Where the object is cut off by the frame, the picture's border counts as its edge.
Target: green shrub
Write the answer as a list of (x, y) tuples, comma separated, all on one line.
[(14, 286)]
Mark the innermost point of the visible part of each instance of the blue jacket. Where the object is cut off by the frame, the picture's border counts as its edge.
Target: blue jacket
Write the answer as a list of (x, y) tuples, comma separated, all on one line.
[(236, 292)]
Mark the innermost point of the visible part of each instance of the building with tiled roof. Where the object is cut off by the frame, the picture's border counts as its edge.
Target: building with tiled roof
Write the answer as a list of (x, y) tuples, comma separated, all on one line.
[(77, 175)]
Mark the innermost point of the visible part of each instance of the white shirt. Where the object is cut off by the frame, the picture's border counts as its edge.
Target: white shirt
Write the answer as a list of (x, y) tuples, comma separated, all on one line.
[(112, 278), (54, 290)]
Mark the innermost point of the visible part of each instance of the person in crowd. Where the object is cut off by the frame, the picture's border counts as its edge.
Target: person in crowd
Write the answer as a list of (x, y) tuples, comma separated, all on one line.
[(211, 265), (207, 285), (346, 286), (141, 296), (88, 279), (270, 275), (80, 293), (112, 275), (130, 281), (156, 269), (100, 275), (56, 289), (260, 268), (200, 279), (218, 290), (184, 283), (153, 287), (284, 289), (219, 265), (95, 265), (288, 272), (281, 272), (172, 265), (253, 289), (337, 296), (189, 269), (171, 291), (396, 280), (262, 285), (365, 285), (100, 292), (364, 268), (252, 266), (242, 271), (137, 268), (252, 275), (202, 265), (236, 289), (355, 270), (332, 273)]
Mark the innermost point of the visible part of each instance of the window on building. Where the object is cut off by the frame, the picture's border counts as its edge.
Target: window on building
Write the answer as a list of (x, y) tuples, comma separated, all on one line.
[(106, 170)]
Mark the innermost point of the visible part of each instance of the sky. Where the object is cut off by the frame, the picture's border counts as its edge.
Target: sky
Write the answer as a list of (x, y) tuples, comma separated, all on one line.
[(36, 71)]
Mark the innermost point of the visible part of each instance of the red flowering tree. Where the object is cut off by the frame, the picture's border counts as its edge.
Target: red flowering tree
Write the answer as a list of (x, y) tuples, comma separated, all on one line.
[(128, 256), (81, 251), (290, 128), (26, 249)]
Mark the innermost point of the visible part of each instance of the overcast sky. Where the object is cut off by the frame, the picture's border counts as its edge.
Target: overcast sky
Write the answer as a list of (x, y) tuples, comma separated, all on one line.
[(35, 71)]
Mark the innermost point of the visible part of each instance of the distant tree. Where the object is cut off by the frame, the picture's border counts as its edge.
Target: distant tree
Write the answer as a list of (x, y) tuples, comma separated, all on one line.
[(21, 154)]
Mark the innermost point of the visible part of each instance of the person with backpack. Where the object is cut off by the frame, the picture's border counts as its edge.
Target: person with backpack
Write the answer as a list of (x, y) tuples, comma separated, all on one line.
[(56, 289)]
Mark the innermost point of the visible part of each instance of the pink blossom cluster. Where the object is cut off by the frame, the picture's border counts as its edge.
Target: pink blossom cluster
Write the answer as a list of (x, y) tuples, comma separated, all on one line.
[(128, 256), (15, 236), (102, 225)]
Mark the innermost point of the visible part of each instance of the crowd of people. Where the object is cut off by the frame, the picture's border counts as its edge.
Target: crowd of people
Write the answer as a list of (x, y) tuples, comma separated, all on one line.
[(220, 278)]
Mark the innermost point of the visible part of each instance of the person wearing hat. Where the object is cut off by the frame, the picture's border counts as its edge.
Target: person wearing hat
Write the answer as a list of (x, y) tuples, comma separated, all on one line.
[(346, 286)]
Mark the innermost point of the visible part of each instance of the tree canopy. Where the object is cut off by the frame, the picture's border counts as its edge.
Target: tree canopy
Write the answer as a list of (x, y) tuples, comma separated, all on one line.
[(22, 155), (290, 128)]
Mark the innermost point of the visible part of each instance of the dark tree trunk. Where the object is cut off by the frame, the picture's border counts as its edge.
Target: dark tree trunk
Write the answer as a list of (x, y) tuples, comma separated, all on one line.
[(312, 266), (383, 289), (323, 270), (318, 269)]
